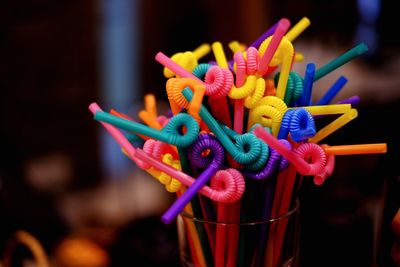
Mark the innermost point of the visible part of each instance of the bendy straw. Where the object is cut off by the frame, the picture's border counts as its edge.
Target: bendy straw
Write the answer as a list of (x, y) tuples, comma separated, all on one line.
[(241, 135)]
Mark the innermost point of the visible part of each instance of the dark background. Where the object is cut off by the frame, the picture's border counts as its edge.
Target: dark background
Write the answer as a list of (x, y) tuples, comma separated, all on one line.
[(50, 71)]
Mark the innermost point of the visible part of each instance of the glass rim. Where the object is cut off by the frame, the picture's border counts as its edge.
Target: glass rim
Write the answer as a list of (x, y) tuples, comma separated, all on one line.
[(271, 220)]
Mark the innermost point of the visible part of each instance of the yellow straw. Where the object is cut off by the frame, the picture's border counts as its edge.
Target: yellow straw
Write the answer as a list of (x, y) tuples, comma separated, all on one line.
[(235, 46), (201, 51), (286, 62), (219, 55), (298, 57), (327, 109), (297, 29), (334, 125)]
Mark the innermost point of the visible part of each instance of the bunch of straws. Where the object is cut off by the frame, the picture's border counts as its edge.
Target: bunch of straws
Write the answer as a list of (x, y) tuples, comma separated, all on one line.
[(201, 152)]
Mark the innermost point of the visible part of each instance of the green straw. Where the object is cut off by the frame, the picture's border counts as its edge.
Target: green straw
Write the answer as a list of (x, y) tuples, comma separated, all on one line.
[(341, 60)]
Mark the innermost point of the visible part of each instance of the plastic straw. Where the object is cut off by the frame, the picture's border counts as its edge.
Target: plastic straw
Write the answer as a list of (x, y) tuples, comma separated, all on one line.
[(355, 149), (333, 91), (341, 60)]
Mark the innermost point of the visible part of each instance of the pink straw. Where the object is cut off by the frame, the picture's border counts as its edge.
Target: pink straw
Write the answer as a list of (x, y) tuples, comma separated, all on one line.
[(232, 188), (170, 64), (280, 31), (117, 135), (302, 166)]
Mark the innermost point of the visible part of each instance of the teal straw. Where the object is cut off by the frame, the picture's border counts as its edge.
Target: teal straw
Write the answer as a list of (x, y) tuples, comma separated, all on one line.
[(169, 134), (341, 60), (247, 148)]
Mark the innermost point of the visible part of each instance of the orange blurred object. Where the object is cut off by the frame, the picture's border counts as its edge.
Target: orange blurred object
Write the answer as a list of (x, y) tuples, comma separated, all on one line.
[(81, 252)]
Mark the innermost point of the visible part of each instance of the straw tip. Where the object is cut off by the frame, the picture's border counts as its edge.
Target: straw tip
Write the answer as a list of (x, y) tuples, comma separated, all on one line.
[(166, 219), (93, 107), (310, 67), (362, 48), (284, 24), (319, 180), (306, 20), (159, 55)]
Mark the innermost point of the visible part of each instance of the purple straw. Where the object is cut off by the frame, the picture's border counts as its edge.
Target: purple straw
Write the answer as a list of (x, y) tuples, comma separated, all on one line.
[(213, 161), (274, 160), (264, 36), (258, 42), (353, 100)]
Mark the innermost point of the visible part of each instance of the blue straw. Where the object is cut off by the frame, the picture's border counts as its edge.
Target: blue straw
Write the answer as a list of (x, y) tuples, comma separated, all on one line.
[(305, 98), (333, 91)]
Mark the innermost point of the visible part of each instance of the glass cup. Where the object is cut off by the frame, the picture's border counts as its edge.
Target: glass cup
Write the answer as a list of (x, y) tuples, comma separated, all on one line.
[(270, 243)]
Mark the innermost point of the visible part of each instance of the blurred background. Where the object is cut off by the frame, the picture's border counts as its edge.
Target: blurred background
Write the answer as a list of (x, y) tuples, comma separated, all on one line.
[(67, 183)]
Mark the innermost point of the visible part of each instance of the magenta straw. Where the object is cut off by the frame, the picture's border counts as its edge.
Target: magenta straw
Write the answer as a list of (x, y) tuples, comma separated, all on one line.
[(273, 142)]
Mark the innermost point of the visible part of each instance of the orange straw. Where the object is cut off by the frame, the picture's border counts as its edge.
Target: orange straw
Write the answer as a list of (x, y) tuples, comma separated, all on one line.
[(355, 149)]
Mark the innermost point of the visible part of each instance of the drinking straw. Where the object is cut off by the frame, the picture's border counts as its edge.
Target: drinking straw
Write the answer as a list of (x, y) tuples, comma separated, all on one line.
[(297, 159), (299, 123), (286, 62), (195, 204), (270, 89), (219, 55), (297, 29), (177, 101), (274, 165), (131, 136), (353, 101), (170, 133), (305, 98), (264, 36), (294, 87), (283, 26), (224, 114), (217, 153), (188, 60), (334, 125), (239, 103), (130, 150), (332, 151), (235, 47), (267, 116), (340, 60), (150, 120), (220, 104), (231, 212), (268, 113), (196, 249), (201, 51), (320, 178), (115, 133), (232, 187), (355, 149), (278, 229), (150, 104), (236, 150), (218, 82), (221, 231), (333, 91), (149, 113), (283, 193), (326, 109), (176, 68)]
